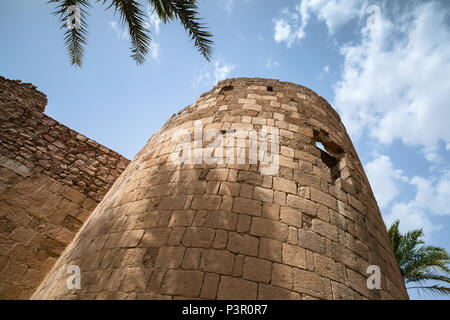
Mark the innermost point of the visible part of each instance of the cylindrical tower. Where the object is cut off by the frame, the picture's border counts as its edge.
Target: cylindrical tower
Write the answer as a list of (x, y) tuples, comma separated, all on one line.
[(255, 191)]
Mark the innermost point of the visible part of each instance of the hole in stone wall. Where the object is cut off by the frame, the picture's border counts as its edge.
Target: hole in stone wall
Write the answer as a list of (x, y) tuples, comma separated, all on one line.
[(330, 152), (227, 88), (320, 146), (270, 89)]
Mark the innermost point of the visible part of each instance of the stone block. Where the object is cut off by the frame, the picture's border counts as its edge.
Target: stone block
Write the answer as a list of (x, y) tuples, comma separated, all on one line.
[(270, 249), (237, 289), (285, 185), (217, 261), (268, 229), (185, 283), (170, 257), (198, 237), (267, 292), (258, 270), (292, 217), (243, 244), (293, 256), (247, 206)]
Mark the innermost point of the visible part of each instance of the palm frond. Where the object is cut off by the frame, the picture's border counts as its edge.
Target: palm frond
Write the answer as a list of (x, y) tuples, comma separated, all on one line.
[(134, 17), (163, 9), (427, 258), (75, 37), (187, 12), (420, 263), (395, 237), (435, 289)]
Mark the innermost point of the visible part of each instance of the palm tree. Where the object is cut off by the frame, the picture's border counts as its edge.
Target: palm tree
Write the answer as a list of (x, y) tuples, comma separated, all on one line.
[(132, 15), (420, 263)]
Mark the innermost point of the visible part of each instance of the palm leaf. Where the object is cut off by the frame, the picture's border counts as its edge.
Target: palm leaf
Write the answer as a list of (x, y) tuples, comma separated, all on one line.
[(134, 17), (163, 9), (435, 289), (420, 263), (74, 38), (187, 11)]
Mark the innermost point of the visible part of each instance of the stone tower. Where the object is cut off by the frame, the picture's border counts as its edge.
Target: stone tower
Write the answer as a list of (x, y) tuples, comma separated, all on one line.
[(234, 199)]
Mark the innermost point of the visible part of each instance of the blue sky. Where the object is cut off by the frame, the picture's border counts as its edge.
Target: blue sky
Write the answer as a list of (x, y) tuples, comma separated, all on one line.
[(383, 65)]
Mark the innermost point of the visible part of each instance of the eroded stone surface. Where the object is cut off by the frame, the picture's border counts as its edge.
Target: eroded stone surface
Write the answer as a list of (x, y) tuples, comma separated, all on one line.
[(224, 231), (51, 179)]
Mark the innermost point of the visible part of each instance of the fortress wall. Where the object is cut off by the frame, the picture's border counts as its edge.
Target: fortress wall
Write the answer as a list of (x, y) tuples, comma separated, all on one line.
[(167, 230), (51, 178)]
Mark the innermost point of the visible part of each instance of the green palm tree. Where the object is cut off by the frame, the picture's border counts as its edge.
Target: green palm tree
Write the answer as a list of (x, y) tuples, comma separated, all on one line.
[(420, 263), (132, 15)]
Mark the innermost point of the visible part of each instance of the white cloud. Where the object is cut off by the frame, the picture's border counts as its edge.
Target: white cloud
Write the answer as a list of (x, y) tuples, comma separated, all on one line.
[(154, 20), (241, 37), (284, 32), (432, 196), (324, 73), (411, 217), (395, 81), (155, 50), (228, 5), (213, 73), (120, 33), (199, 78), (384, 179), (334, 13), (222, 70), (260, 37), (271, 63)]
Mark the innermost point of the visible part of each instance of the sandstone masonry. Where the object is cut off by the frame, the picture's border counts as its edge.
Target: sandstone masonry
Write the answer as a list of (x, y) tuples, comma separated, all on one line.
[(51, 179), (224, 231)]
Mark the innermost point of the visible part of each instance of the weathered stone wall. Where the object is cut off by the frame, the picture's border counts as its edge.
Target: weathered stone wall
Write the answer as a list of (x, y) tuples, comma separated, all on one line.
[(224, 231), (51, 178), (14, 93)]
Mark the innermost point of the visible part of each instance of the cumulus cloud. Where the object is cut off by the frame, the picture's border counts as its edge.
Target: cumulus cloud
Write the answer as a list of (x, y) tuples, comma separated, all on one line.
[(432, 196), (395, 81), (384, 180), (287, 28), (411, 217), (334, 13)]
